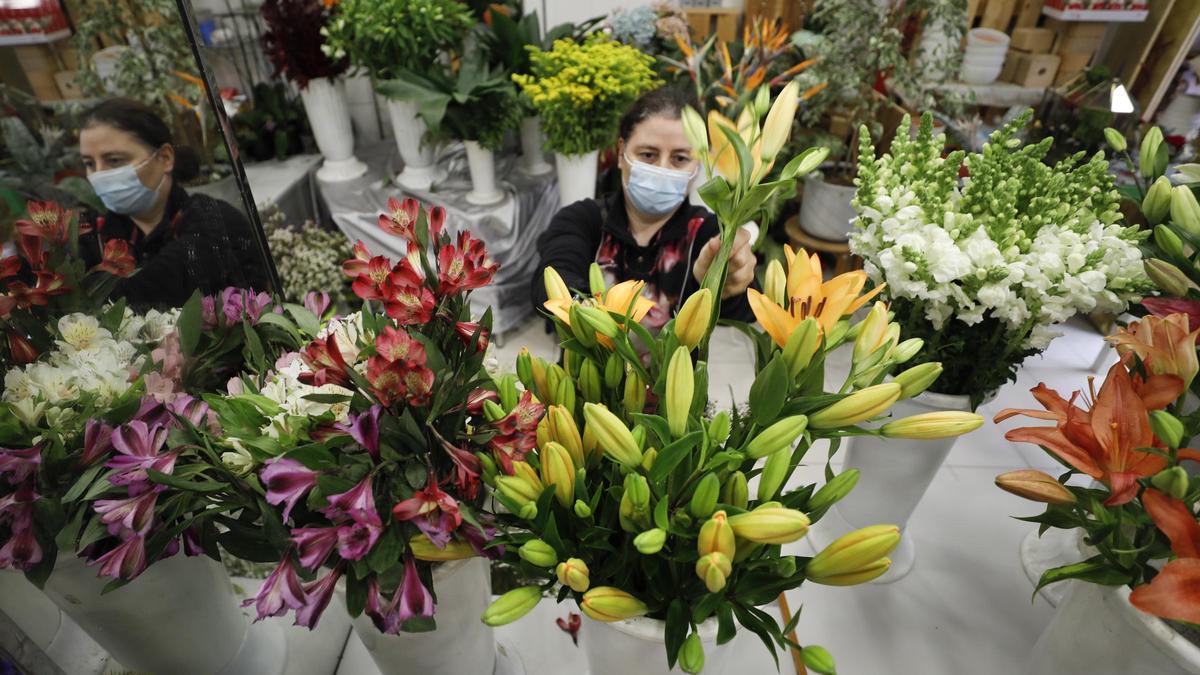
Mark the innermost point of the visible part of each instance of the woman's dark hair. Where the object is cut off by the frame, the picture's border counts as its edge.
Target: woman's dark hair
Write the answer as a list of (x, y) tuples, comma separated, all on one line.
[(668, 101), (140, 120)]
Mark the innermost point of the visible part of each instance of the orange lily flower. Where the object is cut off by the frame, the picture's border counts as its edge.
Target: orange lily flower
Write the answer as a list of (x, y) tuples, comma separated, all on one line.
[(1174, 593), (1103, 440), (810, 296), (624, 299), (1163, 344), (1173, 517)]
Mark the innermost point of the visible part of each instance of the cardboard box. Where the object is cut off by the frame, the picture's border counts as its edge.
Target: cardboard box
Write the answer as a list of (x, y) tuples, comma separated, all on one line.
[(1034, 70), (1032, 40), (1071, 65)]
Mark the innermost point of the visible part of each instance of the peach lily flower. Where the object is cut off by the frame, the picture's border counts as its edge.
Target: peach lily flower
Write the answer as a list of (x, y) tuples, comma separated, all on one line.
[(624, 299), (1164, 344), (1174, 593), (809, 295)]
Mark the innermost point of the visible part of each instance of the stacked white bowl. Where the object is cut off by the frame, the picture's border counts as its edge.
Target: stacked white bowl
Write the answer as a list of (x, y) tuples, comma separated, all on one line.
[(984, 57)]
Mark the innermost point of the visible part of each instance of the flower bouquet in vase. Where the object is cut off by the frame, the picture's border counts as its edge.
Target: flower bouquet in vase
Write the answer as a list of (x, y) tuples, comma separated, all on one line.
[(637, 502), (357, 462), (1126, 493), (981, 268)]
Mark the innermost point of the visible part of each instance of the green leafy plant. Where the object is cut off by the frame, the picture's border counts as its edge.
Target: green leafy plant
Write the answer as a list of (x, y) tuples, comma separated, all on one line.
[(273, 125), (389, 37)]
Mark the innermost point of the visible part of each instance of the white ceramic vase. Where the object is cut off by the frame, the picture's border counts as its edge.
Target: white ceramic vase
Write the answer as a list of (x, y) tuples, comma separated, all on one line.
[(366, 113), (1095, 630), (419, 170), (576, 176), (180, 616), (461, 644), (329, 117), (482, 164), (638, 646), (533, 158), (825, 209), (894, 475), (53, 632)]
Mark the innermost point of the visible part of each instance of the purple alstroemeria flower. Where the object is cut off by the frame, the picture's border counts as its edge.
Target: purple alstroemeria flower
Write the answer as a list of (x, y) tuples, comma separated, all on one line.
[(133, 513), (479, 539), (287, 481), (357, 503), (139, 445), (364, 429), (18, 506), (317, 302), (314, 544), (414, 599), (21, 551), (317, 595), (126, 561), (153, 412), (433, 512), (357, 538), (97, 441), (280, 592), (190, 408), (191, 542), (20, 464)]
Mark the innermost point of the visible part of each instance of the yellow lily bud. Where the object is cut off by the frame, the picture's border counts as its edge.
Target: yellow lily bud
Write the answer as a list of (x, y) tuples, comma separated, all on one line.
[(1169, 278), (775, 283), (512, 605), (872, 333), (770, 524), (517, 489), (681, 386), (780, 436), (735, 492), (714, 570), (528, 512), (574, 574), (563, 430), (538, 553), (596, 281), (691, 324), (544, 435), (854, 555), (860, 406), (801, 346), (527, 473), (648, 458), (778, 126), (538, 367), (704, 498), (559, 471), (1036, 486), (774, 472), (931, 425), (651, 541), (592, 451), (556, 288), (455, 549), (917, 379), (693, 128), (635, 394), (1157, 202), (608, 604), (612, 435), (716, 535)]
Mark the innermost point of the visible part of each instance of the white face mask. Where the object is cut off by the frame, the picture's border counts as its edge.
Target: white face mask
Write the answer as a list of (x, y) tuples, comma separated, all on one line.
[(654, 190), (122, 191)]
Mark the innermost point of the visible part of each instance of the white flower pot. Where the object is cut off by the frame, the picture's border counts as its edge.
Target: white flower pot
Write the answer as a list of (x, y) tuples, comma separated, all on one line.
[(894, 475), (482, 164), (180, 616), (461, 644), (60, 638), (576, 176), (637, 646), (533, 158), (366, 112), (825, 209), (419, 170), (1095, 630), (329, 117)]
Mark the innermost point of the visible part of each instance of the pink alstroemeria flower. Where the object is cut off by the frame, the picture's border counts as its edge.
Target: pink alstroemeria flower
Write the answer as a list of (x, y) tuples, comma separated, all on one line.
[(357, 538), (19, 464), (280, 592), (524, 417), (192, 409), (433, 512), (414, 599), (135, 514), (21, 551), (316, 598), (126, 561), (467, 468), (18, 506), (287, 481), (364, 429), (357, 503), (139, 445), (314, 544), (317, 302), (97, 441)]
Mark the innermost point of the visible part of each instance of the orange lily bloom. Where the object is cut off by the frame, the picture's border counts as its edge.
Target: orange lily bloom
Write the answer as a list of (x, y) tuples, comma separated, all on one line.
[(1163, 344), (1175, 592), (1173, 517), (1103, 440), (624, 299), (810, 296)]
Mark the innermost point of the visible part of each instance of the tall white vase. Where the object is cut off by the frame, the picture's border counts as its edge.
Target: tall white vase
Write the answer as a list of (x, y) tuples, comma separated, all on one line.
[(366, 114), (576, 176), (329, 117), (638, 646), (419, 170), (1095, 630), (43, 622), (461, 644), (894, 475), (533, 158), (482, 164), (180, 616)]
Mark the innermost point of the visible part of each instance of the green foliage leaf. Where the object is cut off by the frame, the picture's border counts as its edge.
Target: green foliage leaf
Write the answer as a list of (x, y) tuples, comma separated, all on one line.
[(1093, 570), (188, 324), (677, 629), (769, 391), (670, 456)]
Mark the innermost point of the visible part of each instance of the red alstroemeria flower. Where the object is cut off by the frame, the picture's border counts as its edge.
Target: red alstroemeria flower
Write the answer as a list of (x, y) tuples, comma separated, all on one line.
[(465, 266), (367, 286), (48, 284), (466, 329), (467, 468), (32, 250), (386, 379), (437, 223), (433, 512), (397, 345), (1102, 440), (7, 304), (1167, 306), (326, 362), (47, 220), (524, 417), (357, 265), (418, 385), (20, 350), (406, 302), (509, 448), (116, 259), (10, 266), (401, 218)]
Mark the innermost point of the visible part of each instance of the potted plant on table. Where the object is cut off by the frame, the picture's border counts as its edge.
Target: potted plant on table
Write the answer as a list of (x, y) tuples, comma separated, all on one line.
[(294, 43), (388, 37), (580, 92), (633, 498), (981, 269)]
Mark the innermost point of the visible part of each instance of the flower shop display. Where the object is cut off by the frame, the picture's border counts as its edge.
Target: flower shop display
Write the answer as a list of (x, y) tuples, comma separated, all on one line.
[(632, 497), (389, 37), (308, 259), (980, 269), (652, 28), (580, 92), (1130, 498), (293, 42)]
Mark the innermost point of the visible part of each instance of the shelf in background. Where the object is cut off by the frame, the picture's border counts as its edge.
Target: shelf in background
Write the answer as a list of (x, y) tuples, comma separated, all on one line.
[(1097, 15), (998, 94), (34, 38)]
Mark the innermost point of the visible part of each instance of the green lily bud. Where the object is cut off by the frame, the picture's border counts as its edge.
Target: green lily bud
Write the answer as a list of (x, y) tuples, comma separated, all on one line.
[(704, 499), (554, 375), (582, 510), (1168, 241), (638, 490), (1157, 202), (906, 350), (1116, 139), (917, 379), (492, 411), (571, 362), (528, 511), (1152, 158), (778, 437), (801, 346), (512, 606), (581, 329), (600, 321), (832, 492), (735, 492), (774, 473), (564, 393), (854, 558), (1185, 211), (538, 553), (639, 436), (1173, 481), (762, 101), (681, 519), (589, 381), (681, 385), (785, 566), (718, 428), (1169, 278), (634, 399), (858, 407), (838, 334), (525, 370), (818, 660), (596, 280), (507, 390), (1167, 427), (648, 458), (650, 541), (614, 369), (488, 466), (691, 654)]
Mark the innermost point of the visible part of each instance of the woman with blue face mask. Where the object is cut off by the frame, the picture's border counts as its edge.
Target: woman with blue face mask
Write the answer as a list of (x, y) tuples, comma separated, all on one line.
[(180, 242), (648, 230)]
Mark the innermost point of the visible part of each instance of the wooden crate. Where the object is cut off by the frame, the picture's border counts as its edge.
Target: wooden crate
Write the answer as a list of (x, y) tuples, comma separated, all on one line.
[(1034, 70), (790, 12), (1032, 40), (1003, 15), (704, 21)]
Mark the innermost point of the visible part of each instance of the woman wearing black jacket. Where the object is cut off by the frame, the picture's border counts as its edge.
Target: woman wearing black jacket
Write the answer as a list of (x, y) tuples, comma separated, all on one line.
[(180, 242), (648, 230)]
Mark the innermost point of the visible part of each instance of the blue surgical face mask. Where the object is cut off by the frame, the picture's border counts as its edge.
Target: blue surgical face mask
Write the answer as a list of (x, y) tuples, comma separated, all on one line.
[(122, 191), (654, 190)]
